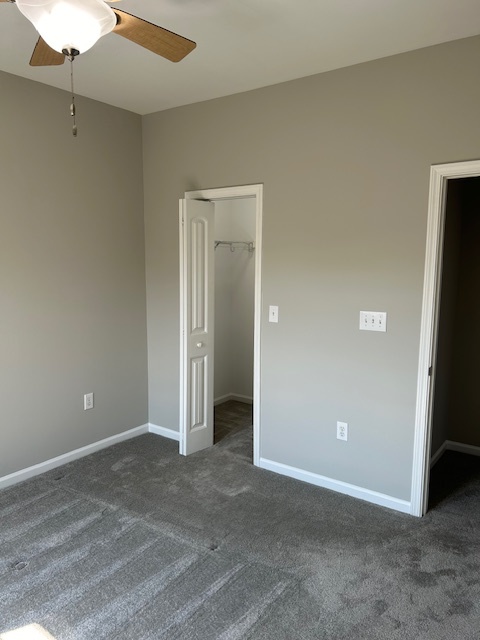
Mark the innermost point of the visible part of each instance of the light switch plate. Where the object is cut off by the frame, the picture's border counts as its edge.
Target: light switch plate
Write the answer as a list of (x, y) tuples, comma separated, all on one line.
[(373, 320), (272, 313)]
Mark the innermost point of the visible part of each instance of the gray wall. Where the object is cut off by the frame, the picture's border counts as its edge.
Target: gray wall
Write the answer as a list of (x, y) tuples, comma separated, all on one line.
[(72, 273), (345, 159)]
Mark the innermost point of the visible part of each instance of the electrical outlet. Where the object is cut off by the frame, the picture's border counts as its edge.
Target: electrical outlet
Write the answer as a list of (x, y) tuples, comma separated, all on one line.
[(342, 431), (88, 401)]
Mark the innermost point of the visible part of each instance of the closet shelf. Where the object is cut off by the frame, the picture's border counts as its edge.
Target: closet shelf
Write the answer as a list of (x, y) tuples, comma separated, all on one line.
[(235, 244)]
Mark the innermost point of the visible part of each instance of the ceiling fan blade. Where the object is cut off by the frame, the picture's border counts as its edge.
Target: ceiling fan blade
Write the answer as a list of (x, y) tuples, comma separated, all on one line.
[(157, 39), (45, 56)]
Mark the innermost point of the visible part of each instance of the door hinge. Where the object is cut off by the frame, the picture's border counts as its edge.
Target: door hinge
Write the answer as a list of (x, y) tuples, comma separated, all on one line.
[(429, 371)]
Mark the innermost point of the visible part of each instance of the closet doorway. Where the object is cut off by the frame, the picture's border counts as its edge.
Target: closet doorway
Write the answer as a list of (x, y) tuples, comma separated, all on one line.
[(447, 406), (234, 249), (220, 315), (455, 429)]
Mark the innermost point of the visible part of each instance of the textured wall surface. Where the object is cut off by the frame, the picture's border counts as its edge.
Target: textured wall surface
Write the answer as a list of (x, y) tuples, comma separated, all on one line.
[(72, 274)]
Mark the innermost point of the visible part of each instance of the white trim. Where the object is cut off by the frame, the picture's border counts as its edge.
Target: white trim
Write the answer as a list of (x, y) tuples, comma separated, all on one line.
[(183, 349), (439, 175), (438, 454), (233, 396), (337, 485), (229, 193), (164, 431), (451, 445), (41, 467), (470, 449), (226, 193)]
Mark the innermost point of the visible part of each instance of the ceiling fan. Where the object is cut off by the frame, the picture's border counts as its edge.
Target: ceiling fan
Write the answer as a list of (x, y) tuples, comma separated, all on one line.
[(68, 28)]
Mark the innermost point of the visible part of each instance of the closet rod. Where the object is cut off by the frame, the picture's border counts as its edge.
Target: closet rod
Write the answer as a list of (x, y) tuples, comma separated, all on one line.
[(232, 243)]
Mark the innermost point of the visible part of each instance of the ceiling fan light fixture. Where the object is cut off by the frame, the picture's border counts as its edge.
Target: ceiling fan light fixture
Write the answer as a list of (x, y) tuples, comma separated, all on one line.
[(69, 24)]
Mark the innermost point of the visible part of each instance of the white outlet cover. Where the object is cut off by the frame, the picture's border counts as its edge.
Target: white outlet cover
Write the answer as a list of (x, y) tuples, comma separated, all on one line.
[(342, 431), (88, 401)]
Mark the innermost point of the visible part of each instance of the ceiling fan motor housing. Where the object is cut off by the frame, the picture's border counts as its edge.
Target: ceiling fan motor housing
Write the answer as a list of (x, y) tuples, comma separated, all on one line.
[(69, 24)]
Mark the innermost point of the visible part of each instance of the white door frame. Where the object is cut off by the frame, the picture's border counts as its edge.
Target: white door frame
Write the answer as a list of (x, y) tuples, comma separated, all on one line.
[(439, 176), (229, 193)]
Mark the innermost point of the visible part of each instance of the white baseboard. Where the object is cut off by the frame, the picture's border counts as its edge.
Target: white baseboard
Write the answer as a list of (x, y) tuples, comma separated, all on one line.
[(37, 469), (337, 485), (233, 396), (163, 431), (471, 449), (438, 454), (451, 445)]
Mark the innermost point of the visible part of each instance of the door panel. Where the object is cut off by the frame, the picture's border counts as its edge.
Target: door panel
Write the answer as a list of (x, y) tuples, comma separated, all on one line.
[(198, 413), (197, 272)]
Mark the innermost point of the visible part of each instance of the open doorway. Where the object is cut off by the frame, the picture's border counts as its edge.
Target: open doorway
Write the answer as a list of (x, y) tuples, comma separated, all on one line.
[(455, 431), (234, 249), (220, 259), (447, 429)]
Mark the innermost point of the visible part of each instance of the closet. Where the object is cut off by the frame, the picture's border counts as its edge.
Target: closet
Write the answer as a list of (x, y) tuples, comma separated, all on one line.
[(235, 223), (456, 405)]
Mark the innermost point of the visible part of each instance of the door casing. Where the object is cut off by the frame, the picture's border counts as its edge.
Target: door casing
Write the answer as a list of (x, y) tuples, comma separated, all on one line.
[(230, 193), (439, 177)]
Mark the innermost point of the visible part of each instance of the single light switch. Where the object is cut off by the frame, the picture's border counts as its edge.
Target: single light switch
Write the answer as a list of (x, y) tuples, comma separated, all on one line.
[(272, 313)]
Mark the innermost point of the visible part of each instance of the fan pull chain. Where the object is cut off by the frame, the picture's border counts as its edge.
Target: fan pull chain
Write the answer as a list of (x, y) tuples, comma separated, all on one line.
[(72, 106)]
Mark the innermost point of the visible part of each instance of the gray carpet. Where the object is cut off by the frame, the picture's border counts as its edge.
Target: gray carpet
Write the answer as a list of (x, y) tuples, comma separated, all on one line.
[(230, 417), (136, 542)]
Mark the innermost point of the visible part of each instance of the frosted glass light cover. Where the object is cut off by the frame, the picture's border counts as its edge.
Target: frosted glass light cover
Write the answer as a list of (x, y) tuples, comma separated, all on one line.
[(69, 24)]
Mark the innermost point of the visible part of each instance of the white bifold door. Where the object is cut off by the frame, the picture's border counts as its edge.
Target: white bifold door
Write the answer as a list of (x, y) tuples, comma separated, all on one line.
[(196, 331)]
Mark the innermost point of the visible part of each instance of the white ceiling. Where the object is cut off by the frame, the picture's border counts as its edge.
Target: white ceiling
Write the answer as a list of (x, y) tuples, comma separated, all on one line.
[(241, 45)]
